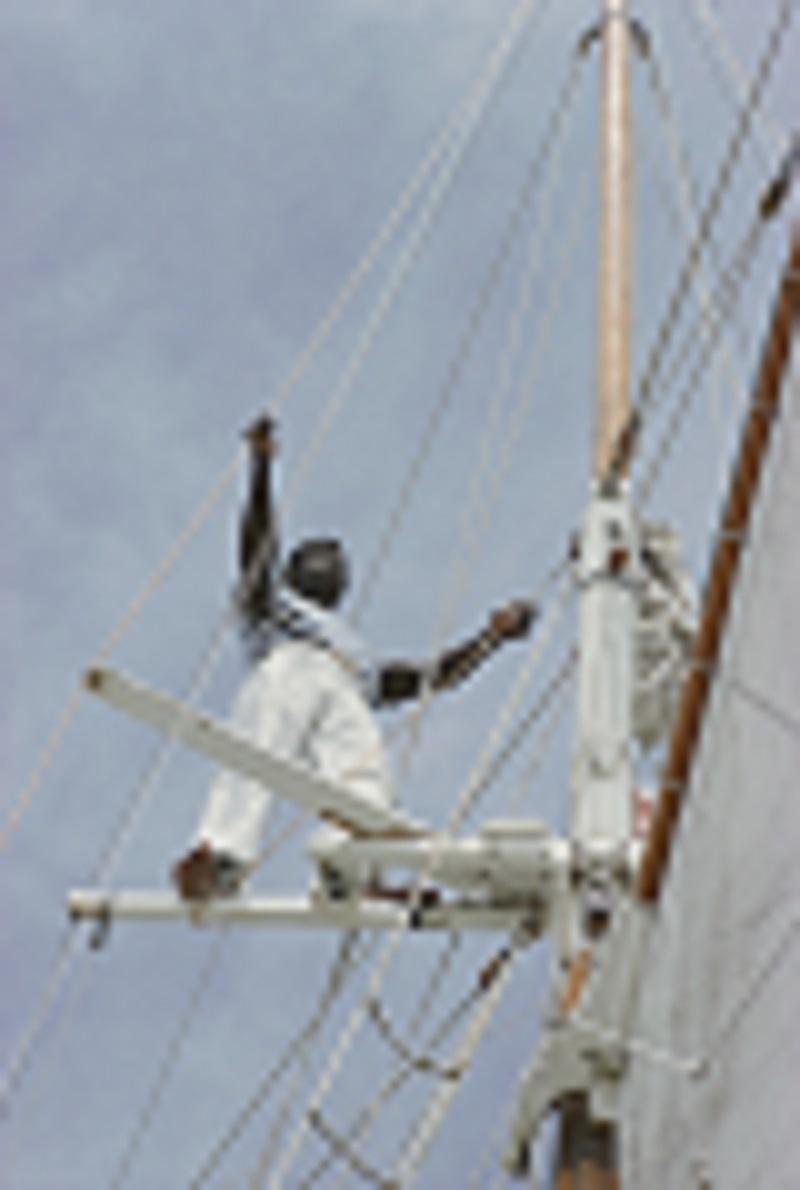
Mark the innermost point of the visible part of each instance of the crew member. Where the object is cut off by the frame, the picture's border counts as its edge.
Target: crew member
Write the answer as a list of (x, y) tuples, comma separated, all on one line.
[(313, 687)]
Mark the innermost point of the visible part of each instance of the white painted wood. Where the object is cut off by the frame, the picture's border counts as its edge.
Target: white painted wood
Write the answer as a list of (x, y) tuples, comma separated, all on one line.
[(523, 868), (334, 803), (601, 770), (105, 907)]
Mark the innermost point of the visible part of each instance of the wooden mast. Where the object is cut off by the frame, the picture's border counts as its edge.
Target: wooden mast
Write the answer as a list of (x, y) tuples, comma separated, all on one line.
[(586, 1157), (614, 307)]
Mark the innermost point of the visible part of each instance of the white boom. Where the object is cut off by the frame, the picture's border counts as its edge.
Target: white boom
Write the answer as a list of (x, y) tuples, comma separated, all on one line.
[(334, 803), (362, 913)]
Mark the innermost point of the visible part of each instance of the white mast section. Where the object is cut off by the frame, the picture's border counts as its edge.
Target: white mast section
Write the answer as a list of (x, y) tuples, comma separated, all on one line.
[(602, 777)]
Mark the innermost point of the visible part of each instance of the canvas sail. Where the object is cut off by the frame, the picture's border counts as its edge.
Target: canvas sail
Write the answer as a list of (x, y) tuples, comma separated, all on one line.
[(714, 1103)]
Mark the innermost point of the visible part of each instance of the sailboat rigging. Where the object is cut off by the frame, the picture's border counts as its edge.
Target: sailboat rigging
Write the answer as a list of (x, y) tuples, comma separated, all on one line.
[(653, 669)]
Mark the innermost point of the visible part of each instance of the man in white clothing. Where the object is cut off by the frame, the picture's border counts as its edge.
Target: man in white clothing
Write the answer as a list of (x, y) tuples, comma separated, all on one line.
[(313, 687)]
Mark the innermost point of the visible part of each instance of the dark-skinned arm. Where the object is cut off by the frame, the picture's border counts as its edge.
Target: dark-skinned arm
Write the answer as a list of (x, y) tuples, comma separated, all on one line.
[(258, 530), (399, 681)]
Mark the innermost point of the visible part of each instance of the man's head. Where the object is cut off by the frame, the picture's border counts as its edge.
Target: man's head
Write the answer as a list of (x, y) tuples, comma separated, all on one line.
[(318, 569)]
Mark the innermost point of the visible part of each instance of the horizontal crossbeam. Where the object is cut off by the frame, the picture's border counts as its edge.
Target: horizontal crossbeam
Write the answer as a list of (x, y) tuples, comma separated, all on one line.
[(500, 867), (105, 907)]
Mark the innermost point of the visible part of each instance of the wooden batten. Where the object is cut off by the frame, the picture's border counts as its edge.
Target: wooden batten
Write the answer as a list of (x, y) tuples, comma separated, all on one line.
[(748, 468), (577, 978)]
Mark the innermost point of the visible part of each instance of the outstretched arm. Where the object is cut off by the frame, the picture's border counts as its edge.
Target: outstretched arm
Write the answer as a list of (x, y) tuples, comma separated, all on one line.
[(258, 530), (402, 680)]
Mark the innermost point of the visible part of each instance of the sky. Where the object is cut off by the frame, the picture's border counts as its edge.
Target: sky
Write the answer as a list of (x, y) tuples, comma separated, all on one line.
[(187, 188)]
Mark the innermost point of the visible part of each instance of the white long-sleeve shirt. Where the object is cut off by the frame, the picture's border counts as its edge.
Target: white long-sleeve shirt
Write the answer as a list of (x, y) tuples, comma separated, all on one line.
[(307, 700)]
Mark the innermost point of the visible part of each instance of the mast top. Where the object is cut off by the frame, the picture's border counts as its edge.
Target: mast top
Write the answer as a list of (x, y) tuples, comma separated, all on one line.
[(614, 313)]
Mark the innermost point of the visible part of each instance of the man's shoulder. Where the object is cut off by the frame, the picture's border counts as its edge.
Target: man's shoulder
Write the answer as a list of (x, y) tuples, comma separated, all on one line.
[(303, 622)]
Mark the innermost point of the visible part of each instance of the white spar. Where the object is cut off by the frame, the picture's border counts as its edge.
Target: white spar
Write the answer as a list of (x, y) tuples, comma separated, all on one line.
[(334, 803), (514, 861), (363, 913)]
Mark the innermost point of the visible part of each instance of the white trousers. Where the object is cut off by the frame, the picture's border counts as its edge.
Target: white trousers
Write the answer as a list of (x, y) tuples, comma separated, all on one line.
[(301, 703)]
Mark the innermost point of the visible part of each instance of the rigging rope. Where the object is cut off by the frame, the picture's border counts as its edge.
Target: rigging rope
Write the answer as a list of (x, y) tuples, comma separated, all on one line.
[(343, 965), (542, 159), (557, 704), (147, 1113), (734, 280), (15, 820), (421, 1063), (365, 1119), (431, 1121), (469, 110), (766, 705), (698, 1069), (683, 211), (530, 719), (303, 1061), (458, 118), (487, 486), (362, 1122), (343, 1149), (576, 224), (113, 639), (414, 244), (476, 107), (492, 1158), (464, 804), (476, 783), (467, 124), (782, 950), (140, 798), (68, 949), (25, 1048), (425, 1130), (441, 969), (102, 874), (495, 462), (689, 198), (412, 1156), (728, 71), (551, 699)]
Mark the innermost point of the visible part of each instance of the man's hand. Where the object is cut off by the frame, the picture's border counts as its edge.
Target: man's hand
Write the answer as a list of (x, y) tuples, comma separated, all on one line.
[(512, 621), (263, 438)]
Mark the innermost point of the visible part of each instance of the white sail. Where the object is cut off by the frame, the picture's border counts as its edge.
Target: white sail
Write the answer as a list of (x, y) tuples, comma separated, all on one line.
[(723, 970)]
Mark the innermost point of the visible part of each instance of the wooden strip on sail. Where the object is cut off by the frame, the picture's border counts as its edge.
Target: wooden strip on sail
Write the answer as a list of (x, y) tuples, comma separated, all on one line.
[(764, 408)]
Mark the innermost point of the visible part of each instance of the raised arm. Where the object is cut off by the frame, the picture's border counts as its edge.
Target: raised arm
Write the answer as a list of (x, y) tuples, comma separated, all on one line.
[(402, 680), (258, 531)]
